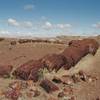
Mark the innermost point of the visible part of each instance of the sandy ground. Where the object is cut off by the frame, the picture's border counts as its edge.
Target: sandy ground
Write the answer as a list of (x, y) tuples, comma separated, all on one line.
[(20, 53)]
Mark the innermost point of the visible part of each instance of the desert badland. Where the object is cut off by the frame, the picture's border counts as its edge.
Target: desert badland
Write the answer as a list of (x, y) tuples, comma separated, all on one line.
[(81, 82)]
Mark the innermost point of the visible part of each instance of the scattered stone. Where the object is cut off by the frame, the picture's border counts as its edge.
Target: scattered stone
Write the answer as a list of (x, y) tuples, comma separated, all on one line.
[(85, 77), (52, 98), (72, 98), (12, 94), (91, 78), (15, 85), (36, 93), (13, 42), (66, 79), (1, 39), (82, 75), (48, 86), (24, 41), (76, 78), (56, 80), (5, 70), (18, 85), (29, 94), (61, 94), (68, 90), (29, 83)]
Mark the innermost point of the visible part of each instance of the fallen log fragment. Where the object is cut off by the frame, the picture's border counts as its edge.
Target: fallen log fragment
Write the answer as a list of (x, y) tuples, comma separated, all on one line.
[(28, 70), (48, 86), (5, 70)]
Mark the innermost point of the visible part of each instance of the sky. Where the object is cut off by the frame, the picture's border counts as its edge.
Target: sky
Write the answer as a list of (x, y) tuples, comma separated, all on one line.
[(47, 18)]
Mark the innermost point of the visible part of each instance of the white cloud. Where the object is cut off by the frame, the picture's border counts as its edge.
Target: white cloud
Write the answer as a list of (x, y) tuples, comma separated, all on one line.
[(4, 32), (12, 22), (47, 25), (97, 25), (22, 24), (29, 7), (27, 24), (63, 26)]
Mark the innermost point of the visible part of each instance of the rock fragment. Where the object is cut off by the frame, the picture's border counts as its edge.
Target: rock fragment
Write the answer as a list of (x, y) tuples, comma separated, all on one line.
[(66, 79), (13, 42), (56, 80), (61, 94), (48, 86), (12, 94), (5, 70)]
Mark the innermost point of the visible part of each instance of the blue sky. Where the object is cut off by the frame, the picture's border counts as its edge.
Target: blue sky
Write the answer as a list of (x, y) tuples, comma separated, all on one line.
[(49, 17)]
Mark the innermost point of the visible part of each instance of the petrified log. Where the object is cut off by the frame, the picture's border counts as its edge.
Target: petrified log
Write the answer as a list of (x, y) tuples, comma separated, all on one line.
[(34, 74), (75, 43), (74, 54), (54, 61), (68, 58), (78, 49), (5, 70), (48, 86), (92, 44), (23, 71), (26, 70)]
